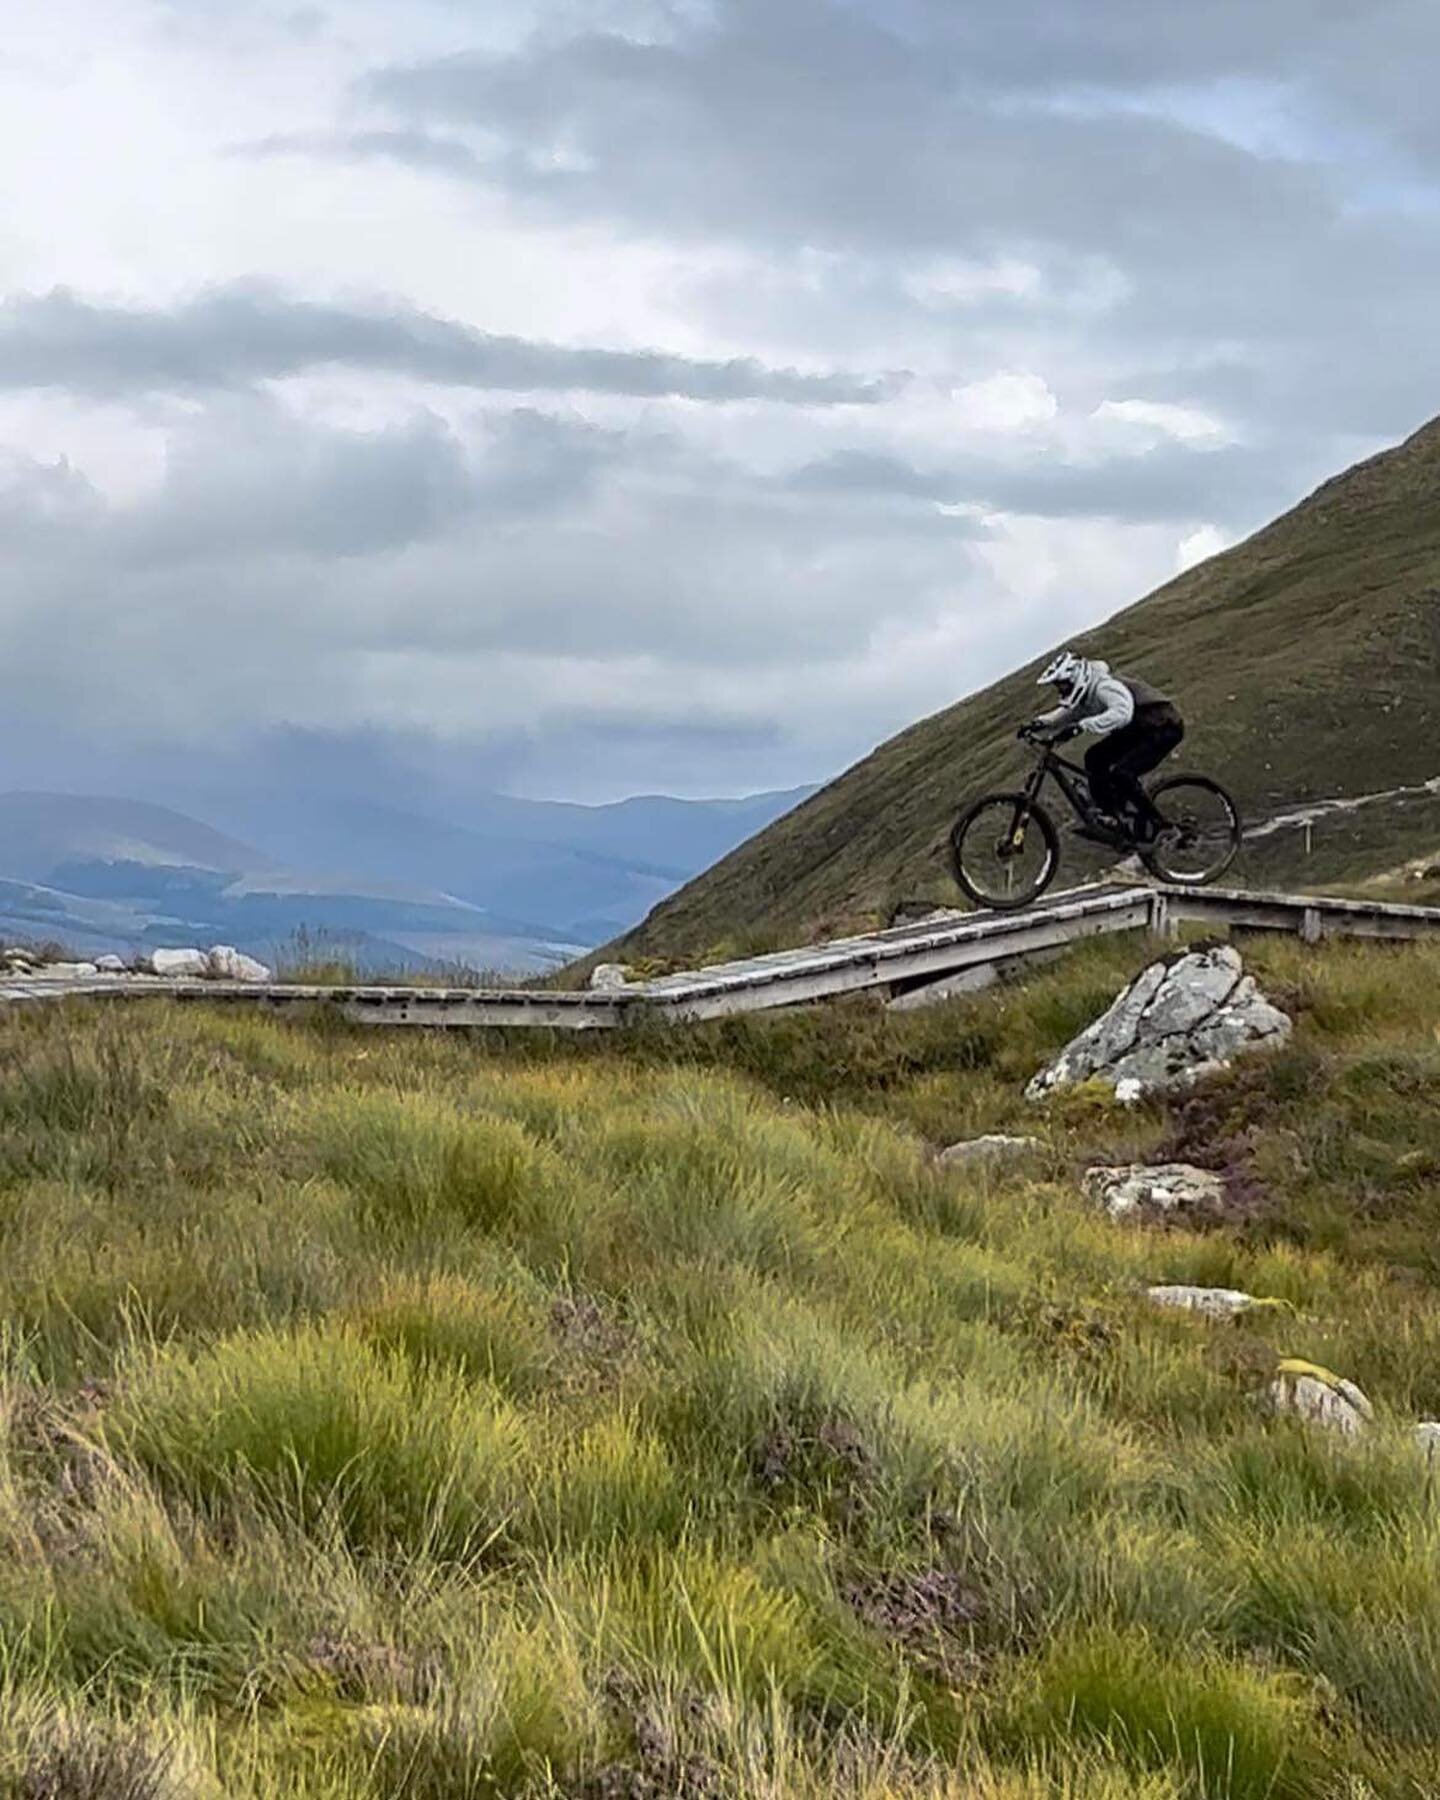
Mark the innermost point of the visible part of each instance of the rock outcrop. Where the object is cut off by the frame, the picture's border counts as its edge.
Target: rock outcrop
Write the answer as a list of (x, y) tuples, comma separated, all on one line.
[(226, 963), (174, 963), (1306, 1391), (1153, 1191), (222, 963), (609, 977), (1212, 1303), (1180, 1019), (990, 1151)]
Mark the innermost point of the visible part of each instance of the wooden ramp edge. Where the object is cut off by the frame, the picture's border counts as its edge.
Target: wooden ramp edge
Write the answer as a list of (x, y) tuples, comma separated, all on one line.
[(905, 959)]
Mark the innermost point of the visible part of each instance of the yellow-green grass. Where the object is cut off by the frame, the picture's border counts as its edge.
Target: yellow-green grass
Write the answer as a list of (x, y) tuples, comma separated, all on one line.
[(418, 1415)]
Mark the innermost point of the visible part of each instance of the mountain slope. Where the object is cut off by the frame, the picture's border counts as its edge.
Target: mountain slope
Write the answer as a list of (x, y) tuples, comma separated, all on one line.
[(1305, 661), (521, 886), (41, 833), (104, 873)]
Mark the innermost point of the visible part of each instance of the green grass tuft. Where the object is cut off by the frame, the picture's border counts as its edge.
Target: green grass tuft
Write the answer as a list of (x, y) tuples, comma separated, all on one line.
[(420, 1415)]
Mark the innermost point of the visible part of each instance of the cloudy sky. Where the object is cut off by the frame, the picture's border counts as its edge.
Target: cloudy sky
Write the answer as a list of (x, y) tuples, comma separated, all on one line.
[(600, 396)]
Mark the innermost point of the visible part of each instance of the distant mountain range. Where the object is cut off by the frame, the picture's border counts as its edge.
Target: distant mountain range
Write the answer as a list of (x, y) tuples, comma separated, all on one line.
[(520, 885)]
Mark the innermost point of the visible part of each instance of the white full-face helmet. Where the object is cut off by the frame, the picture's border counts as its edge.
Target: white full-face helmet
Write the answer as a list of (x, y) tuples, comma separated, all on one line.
[(1068, 673)]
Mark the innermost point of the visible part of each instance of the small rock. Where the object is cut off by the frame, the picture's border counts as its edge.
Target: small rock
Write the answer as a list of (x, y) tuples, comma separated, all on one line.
[(609, 976), (1307, 1391), (176, 962), (985, 1152), (226, 963), (110, 965), (1427, 1436), (1136, 1190), (1178, 1020), (71, 971), (1214, 1303)]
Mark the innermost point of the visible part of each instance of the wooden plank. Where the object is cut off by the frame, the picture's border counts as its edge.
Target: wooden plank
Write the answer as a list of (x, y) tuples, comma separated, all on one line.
[(882, 965), (1313, 916)]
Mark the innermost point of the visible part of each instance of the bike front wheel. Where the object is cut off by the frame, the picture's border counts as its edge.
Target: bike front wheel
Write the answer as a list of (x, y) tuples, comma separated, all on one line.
[(1004, 851), (1200, 831)]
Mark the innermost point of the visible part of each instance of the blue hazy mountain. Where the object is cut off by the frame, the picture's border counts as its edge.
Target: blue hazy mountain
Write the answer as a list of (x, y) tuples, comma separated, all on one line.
[(520, 885)]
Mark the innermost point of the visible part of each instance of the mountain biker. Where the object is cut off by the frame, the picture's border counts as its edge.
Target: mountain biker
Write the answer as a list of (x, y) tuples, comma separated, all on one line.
[(1137, 727)]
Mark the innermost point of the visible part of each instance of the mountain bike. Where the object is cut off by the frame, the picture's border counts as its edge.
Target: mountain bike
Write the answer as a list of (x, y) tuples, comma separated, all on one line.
[(1005, 849)]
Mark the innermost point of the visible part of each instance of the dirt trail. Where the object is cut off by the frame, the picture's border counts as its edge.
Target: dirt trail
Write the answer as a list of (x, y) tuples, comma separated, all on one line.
[(1320, 809)]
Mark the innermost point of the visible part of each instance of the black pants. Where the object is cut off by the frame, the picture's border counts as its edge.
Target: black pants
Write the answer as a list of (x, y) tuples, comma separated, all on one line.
[(1117, 762)]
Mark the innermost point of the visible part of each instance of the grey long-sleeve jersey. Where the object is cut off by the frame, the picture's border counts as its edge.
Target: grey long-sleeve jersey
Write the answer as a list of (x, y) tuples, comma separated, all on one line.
[(1104, 704)]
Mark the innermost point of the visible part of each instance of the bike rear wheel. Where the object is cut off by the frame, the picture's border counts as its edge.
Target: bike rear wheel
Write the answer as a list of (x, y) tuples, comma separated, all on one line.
[(1200, 835), (1004, 851)]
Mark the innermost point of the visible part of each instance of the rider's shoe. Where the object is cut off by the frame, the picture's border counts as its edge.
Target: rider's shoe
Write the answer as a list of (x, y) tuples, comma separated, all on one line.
[(1103, 829)]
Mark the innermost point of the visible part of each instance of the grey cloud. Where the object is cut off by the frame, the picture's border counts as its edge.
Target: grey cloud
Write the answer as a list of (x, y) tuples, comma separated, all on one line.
[(1121, 132), (237, 335), (525, 580), (584, 588), (1233, 486), (813, 121), (244, 479), (44, 504), (424, 150), (1132, 44), (533, 535)]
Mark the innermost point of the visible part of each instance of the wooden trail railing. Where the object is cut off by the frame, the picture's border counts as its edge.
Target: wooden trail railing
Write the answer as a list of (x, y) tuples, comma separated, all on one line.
[(905, 960)]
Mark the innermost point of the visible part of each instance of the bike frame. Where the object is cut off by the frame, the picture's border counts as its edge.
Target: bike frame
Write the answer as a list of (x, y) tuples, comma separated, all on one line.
[(1069, 777)]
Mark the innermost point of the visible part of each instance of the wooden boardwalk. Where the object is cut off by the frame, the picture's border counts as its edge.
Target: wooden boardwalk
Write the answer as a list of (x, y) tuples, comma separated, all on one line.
[(902, 961)]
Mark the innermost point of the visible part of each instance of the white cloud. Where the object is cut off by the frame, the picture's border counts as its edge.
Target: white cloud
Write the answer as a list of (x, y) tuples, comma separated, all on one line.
[(1199, 545), (952, 280), (1011, 400), (1157, 419)]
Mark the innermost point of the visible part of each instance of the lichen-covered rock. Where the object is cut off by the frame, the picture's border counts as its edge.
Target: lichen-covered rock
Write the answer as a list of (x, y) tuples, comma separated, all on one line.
[(608, 977), (1140, 1190), (1213, 1303), (1427, 1437), (989, 1151), (1178, 1020), (1306, 1391)]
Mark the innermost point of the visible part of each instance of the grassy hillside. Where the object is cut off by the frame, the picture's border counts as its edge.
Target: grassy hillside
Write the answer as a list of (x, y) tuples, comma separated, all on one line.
[(408, 1416), (1306, 661)]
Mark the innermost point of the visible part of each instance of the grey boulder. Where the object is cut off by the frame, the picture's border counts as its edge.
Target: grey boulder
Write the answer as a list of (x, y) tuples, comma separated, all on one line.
[(608, 978), (989, 1151), (1149, 1191), (1179, 1020), (172, 963), (1306, 1391), (1210, 1303), (226, 963)]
